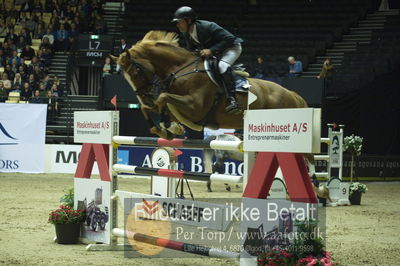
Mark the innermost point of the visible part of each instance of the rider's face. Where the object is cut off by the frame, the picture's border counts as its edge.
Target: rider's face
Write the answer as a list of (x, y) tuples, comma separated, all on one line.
[(182, 25)]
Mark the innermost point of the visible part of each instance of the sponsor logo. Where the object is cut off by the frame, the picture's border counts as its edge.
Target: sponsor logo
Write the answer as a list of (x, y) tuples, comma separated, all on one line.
[(8, 136), (67, 157), (9, 164)]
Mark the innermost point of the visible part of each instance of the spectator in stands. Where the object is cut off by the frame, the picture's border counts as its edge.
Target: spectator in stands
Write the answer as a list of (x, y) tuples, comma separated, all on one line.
[(54, 23), (73, 35), (35, 62), (23, 73), (3, 92), (45, 44), (32, 82), (11, 44), (85, 9), (42, 88), (40, 30), (16, 57), (22, 18), (21, 44), (25, 66), (52, 107), (107, 69), (49, 5), (295, 67), (77, 21), (100, 25), (27, 6), (17, 83), (25, 33), (37, 73), (55, 91), (57, 81), (36, 97), (46, 82), (259, 68), (327, 69), (10, 73), (28, 69), (122, 47), (96, 7), (49, 35), (212, 40), (11, 35), (44, 56), (37, 6), (14, 65), (28, 53), (69, 14), (31, 24), (6, 82), (61, 42), (26, 93), (7, 50), (3, 59)]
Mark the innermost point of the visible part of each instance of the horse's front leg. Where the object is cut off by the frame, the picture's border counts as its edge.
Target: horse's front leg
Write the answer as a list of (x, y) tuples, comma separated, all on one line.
[(184, 102)]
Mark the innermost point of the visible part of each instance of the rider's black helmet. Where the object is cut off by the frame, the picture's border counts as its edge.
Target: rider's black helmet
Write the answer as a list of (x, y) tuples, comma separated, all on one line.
[(184, 12)]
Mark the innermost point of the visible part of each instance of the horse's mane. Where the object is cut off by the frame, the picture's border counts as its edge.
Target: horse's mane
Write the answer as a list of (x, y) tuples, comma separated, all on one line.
[(161, 36), (157, 38)]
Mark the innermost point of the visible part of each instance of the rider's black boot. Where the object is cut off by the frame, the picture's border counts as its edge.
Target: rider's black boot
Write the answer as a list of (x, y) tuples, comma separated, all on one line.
[(229, 86)]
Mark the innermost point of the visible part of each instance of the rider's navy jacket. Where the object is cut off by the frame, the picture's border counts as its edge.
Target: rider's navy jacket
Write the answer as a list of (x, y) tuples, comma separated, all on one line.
[(211, 36)]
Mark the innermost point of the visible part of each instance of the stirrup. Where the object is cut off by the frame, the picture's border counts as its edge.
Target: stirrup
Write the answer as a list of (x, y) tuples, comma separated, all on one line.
[(233, 107)]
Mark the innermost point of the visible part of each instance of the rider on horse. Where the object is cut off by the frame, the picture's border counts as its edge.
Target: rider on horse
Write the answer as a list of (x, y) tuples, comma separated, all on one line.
[(212, 40)]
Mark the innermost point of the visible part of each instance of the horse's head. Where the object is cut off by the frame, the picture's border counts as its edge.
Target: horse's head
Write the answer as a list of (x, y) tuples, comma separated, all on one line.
[(140, 75)]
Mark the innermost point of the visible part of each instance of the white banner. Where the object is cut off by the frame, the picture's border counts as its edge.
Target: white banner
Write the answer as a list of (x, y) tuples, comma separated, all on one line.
[(22, 137), (63, 159), (283, 130), (95, 126)]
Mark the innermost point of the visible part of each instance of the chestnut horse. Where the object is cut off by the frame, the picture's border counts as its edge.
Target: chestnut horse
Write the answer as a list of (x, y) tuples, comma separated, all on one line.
[(168, 77)]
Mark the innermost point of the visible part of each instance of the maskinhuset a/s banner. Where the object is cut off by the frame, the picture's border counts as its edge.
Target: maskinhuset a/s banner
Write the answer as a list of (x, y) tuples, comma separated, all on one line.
[(22, 137)]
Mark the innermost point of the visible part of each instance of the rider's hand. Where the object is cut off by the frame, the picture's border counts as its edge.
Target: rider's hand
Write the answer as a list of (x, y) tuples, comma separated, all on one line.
[(206, 53)]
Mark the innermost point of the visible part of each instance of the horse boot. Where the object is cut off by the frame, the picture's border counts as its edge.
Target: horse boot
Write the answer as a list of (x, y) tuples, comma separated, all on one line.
[(228, 81)]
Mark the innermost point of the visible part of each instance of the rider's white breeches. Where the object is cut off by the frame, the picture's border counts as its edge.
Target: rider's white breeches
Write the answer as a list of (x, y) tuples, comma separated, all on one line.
[(229, 56)]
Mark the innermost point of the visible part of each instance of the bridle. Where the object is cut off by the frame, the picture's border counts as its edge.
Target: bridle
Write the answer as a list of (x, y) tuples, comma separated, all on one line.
[(154, 85)]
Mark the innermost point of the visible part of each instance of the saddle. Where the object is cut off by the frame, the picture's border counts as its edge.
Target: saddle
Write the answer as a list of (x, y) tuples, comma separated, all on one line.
[(241, 83)]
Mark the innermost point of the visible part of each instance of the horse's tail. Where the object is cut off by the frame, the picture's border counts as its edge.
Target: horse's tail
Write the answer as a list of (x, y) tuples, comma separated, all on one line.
[(208, 154), (207, 158)]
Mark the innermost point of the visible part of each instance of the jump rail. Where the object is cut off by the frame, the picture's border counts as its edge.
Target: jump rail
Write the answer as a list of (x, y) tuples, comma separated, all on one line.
[(180, 143), (122, 168), (175, 245)]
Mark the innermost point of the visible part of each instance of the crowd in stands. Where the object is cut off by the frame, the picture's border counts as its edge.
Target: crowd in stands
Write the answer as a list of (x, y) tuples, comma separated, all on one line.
[(30, 32)]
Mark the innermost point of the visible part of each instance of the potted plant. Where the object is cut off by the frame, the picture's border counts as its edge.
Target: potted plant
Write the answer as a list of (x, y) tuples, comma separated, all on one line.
[(66, 220), (307, 249), (353, 145), (355, 192)]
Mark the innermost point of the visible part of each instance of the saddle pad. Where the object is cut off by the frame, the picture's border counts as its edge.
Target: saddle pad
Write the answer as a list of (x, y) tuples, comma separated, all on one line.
[(241, 83)]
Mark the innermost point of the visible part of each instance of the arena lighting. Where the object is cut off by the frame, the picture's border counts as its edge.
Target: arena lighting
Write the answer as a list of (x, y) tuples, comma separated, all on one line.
[(94, 37), (133, 106)]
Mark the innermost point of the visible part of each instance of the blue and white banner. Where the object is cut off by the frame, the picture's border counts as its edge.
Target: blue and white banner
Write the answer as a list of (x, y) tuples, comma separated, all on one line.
[(22, 137), (190, 160)]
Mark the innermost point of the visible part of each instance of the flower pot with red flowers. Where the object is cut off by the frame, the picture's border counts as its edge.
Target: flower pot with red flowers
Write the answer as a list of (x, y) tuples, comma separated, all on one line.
[(67, 221), (306, 249)]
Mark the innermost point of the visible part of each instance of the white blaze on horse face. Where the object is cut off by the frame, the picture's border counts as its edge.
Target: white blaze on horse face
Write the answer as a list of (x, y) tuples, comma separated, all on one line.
[(128, 78)]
